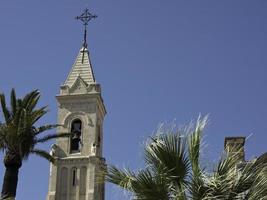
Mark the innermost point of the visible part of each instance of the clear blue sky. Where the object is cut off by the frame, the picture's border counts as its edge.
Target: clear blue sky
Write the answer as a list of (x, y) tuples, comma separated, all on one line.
[(156, 61)]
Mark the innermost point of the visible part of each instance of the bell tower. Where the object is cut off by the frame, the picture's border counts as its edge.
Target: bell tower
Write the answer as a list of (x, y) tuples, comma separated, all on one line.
[(81, 111)]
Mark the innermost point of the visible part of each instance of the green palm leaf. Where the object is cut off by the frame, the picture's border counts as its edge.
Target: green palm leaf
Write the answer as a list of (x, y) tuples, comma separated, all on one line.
[(13, 101), (44, 128), (52, 136), (5, 110), (43, 154), (123, 178)]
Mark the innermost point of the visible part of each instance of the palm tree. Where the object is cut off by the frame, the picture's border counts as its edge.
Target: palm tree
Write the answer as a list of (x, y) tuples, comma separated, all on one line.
[(19, 136), (173, 171)]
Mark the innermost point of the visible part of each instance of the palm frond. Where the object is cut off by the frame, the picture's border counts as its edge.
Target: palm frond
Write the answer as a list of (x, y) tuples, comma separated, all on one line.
[(194, 143), (122, 178), (167, 154), (44, 128), (258, 190), (197, 186), (22, 121), (2, 137), (247, 179), (43, 154), (143, 185), (30, 100), (220, 182), (37, 114), (146, 186), (13, 102), (5, 110), (52, 136)]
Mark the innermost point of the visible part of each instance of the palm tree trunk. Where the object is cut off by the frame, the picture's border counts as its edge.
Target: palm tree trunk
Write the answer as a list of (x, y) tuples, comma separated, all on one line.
[(12, 164), (10, 182)]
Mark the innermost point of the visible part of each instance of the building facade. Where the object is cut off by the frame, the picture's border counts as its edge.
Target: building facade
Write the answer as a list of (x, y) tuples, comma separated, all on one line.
[(79, 159)]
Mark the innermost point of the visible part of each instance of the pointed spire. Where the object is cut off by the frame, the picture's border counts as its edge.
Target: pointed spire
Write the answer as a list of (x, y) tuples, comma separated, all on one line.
[(82, 68)]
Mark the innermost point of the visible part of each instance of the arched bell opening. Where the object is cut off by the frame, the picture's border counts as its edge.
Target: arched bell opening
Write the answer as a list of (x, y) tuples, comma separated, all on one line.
[(76, 130)]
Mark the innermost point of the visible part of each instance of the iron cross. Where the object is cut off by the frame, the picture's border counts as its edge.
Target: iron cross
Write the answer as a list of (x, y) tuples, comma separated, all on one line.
[(85, 17)]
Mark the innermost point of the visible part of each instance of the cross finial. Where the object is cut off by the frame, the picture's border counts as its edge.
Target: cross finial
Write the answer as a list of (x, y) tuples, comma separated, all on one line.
[(85, 17)]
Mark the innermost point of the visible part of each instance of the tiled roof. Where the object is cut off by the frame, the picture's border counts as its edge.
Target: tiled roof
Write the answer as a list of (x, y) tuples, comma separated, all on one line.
[(82, 67)]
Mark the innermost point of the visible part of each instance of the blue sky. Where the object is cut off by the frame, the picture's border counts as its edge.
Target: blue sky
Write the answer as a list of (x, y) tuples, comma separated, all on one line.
[(156, 61)]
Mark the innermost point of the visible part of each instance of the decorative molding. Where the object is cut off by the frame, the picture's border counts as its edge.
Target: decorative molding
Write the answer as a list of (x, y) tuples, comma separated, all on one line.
[(79, 86), (81, 160), (78, 106), (84, 117)]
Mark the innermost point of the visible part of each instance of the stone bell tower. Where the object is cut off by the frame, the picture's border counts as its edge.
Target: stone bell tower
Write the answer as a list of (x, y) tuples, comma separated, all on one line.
[(81, 111)]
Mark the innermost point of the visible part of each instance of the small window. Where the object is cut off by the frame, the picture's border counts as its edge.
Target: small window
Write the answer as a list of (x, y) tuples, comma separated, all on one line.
[(98, 132), (74, 177), (76, 129)]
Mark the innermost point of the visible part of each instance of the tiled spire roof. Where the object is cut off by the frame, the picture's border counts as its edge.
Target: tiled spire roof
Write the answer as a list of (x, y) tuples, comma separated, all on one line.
[(82, 67)]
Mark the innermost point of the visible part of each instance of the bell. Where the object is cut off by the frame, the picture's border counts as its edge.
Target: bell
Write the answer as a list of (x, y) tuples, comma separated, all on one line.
[(76, 135)]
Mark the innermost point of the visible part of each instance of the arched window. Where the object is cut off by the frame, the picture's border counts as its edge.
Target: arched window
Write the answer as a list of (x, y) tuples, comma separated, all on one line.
[(76, 129)]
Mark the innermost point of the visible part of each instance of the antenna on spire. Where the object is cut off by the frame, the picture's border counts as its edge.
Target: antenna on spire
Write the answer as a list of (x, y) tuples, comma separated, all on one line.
[(85, 17)]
